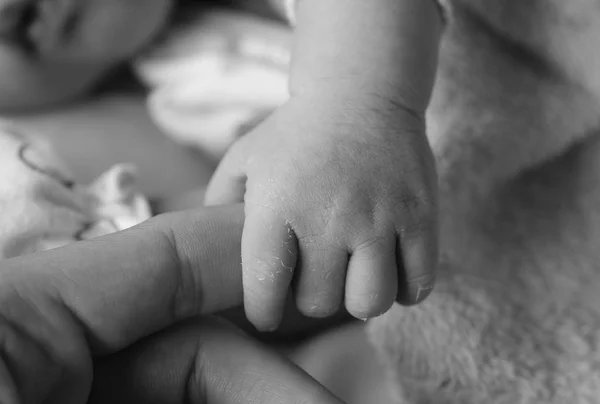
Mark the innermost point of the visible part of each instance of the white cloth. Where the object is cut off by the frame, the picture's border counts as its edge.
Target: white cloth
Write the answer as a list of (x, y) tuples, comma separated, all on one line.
[(43, 208), (214, 74)]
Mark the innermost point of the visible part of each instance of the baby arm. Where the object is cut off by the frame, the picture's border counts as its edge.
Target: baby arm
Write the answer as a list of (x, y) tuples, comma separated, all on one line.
[(339, 183), (382, 48)]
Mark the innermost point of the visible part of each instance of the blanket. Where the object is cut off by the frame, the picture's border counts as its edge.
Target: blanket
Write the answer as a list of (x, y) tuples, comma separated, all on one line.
[(43, 207), (514, 122)]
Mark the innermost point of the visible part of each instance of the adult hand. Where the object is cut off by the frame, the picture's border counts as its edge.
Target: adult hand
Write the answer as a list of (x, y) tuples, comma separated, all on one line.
[(116, 320)]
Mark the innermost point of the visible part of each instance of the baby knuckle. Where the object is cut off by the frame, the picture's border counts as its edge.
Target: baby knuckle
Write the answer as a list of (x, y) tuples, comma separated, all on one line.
[(374, 242), (419, 205), (423, 225), (258, 203)]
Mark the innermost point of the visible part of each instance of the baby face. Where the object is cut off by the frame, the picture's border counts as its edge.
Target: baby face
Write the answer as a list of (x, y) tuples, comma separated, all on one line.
[(51, 50)]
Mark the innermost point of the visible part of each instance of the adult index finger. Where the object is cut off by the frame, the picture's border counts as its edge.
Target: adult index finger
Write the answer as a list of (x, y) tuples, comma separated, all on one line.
[(127, 285)]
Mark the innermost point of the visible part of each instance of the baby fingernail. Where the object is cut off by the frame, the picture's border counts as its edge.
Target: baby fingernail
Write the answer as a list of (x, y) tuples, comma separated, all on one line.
[(416, 291)]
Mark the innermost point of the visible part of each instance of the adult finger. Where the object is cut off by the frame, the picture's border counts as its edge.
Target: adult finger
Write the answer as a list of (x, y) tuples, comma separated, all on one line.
[(228, 183), (127, 285), (204, 362)]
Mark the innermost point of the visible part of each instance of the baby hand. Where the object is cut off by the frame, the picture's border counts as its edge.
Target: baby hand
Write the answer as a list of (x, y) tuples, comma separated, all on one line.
[(340, 198)]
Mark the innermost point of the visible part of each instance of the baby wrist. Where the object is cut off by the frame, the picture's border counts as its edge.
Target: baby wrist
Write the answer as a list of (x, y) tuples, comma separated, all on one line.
[(287, 8)]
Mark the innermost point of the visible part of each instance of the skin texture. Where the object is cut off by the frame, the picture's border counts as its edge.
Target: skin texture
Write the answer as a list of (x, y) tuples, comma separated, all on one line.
[(339, 183), (351, 226), (53, 50), (126, 307)]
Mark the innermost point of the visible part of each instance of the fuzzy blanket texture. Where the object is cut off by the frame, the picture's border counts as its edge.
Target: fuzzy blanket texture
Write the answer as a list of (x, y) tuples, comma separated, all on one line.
[(515, 317)]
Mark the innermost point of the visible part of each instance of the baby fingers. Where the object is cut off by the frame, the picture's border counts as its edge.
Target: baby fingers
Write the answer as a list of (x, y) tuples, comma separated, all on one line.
[(417, 255), (319, 290), (269, 254), (372, 280)]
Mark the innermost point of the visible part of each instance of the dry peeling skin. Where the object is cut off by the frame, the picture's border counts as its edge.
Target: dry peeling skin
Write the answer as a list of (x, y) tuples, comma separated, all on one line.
[(514, 125), (43, 208)]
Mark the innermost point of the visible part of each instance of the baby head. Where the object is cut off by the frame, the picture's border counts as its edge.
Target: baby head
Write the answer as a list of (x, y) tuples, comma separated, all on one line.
[(52, 50)]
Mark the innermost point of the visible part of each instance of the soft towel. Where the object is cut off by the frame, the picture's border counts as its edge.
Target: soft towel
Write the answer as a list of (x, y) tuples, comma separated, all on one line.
[(514, 121)]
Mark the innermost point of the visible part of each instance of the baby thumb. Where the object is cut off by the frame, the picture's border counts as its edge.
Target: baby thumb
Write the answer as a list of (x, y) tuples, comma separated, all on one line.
[(228, 183)]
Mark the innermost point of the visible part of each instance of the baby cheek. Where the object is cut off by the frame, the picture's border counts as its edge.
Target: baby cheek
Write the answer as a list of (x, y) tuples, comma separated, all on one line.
[(114, 30)]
